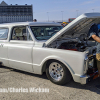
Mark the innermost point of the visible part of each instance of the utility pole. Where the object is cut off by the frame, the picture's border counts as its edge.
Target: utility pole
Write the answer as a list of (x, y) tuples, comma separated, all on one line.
[(48, 16), (77, 12), (62, 15), (93, 10)]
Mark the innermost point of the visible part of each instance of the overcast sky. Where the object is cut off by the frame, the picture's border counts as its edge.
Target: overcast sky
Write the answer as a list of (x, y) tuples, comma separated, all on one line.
[(58, 9)]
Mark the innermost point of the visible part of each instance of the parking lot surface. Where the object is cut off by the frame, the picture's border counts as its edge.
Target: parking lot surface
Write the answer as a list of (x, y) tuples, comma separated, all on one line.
[(11, 78)]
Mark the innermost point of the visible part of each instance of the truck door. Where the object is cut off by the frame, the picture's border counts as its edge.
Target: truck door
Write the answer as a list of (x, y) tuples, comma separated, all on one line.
[(4, 46), (20, 49)]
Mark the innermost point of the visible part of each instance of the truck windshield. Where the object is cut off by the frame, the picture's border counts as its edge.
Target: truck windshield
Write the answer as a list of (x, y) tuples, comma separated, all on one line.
[(45, 32)]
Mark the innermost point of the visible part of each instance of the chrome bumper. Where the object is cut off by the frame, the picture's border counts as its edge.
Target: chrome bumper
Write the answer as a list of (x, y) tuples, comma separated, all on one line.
[(86, 78)]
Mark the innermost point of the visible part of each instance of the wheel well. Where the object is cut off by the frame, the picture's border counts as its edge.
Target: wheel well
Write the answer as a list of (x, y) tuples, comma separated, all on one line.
[(45, 65)]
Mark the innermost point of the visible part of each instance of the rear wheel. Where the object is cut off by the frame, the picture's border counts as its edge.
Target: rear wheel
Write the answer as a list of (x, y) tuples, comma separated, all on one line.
[(58, 73)]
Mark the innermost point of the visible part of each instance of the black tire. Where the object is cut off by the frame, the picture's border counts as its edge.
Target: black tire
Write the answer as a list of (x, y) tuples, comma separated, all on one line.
[(66, 77)]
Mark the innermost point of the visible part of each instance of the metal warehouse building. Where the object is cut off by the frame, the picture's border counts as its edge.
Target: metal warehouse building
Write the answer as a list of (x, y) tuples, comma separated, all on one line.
[(15, 13)]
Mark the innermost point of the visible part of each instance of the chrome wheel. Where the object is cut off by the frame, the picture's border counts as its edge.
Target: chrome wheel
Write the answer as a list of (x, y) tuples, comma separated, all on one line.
[(56, 71)]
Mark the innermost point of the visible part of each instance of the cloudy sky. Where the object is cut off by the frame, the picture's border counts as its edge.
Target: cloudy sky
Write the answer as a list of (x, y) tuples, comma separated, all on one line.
[(58, 9)]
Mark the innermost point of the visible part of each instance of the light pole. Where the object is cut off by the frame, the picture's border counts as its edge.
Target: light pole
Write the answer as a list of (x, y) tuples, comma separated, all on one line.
[(33, 15), (48, 16), (62, 15), (77, 12)]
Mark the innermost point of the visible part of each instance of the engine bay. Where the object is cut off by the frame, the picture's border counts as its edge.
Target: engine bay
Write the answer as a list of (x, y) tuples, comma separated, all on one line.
[(74, 46), (78, 42)]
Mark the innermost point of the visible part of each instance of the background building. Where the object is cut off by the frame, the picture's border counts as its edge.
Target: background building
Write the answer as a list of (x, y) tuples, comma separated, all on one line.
[(15, 13)]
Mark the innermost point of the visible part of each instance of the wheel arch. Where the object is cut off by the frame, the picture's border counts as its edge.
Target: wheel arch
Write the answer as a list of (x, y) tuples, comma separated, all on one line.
[(45, 62)]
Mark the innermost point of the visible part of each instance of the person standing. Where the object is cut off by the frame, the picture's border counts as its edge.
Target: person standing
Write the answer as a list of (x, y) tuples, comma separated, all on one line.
[(94, 33), (34, 20)]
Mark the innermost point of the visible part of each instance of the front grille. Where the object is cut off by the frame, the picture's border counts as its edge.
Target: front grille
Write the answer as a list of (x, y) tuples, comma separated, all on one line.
[(92, 65)]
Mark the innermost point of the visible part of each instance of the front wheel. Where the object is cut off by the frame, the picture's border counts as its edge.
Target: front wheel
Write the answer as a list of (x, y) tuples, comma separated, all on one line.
[(58, 73)]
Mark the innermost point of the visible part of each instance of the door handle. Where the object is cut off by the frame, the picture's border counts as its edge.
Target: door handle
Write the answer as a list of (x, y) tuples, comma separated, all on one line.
[(1, 45)]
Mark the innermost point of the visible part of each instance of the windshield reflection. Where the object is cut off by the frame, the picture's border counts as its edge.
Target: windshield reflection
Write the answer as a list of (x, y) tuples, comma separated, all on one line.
[(45, 32)]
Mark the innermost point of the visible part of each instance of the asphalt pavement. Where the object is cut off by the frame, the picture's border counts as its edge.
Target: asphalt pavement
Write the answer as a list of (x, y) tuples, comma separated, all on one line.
[(11, 78)]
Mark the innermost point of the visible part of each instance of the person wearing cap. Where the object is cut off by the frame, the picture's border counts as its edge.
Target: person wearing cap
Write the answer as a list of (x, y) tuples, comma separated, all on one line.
[(64, 24), (94, 33)]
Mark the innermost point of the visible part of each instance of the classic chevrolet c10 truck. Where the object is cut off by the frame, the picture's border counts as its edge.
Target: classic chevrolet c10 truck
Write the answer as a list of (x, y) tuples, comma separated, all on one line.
[(63, 53)]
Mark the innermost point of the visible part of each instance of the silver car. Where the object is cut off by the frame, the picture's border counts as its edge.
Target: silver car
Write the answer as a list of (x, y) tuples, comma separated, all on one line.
[(63, 53)]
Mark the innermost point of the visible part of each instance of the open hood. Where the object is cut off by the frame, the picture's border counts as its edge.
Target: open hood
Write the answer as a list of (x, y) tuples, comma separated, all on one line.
[(76, 28)]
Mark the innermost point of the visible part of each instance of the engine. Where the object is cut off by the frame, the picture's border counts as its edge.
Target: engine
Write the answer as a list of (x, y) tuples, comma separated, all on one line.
[(75, 46)]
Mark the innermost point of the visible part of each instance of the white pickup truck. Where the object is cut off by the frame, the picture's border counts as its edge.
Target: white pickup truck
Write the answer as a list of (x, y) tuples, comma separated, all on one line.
[(63, 53)]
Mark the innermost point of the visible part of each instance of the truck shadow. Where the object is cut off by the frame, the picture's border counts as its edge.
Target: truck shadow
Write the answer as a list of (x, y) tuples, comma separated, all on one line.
[(7, 69), (89, 86)]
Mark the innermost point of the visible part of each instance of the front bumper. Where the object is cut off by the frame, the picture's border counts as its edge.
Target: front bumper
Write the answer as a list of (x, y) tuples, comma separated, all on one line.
[(87, 78)]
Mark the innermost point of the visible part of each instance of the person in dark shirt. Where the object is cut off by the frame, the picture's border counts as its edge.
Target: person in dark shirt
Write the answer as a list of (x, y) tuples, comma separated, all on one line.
[(94, 33)]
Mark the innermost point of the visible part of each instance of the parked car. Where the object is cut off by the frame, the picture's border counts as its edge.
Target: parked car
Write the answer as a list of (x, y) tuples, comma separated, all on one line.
[(63, 53)]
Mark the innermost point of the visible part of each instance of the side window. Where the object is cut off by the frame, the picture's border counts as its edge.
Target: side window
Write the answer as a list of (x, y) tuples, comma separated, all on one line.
[(3, 34), (20, 33)]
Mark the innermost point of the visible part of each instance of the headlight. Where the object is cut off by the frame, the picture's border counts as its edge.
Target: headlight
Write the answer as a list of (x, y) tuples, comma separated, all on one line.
[(86, 63), (91, 63)]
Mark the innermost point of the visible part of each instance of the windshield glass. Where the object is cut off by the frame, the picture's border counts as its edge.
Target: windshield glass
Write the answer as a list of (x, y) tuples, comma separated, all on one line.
[(45, 32)]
